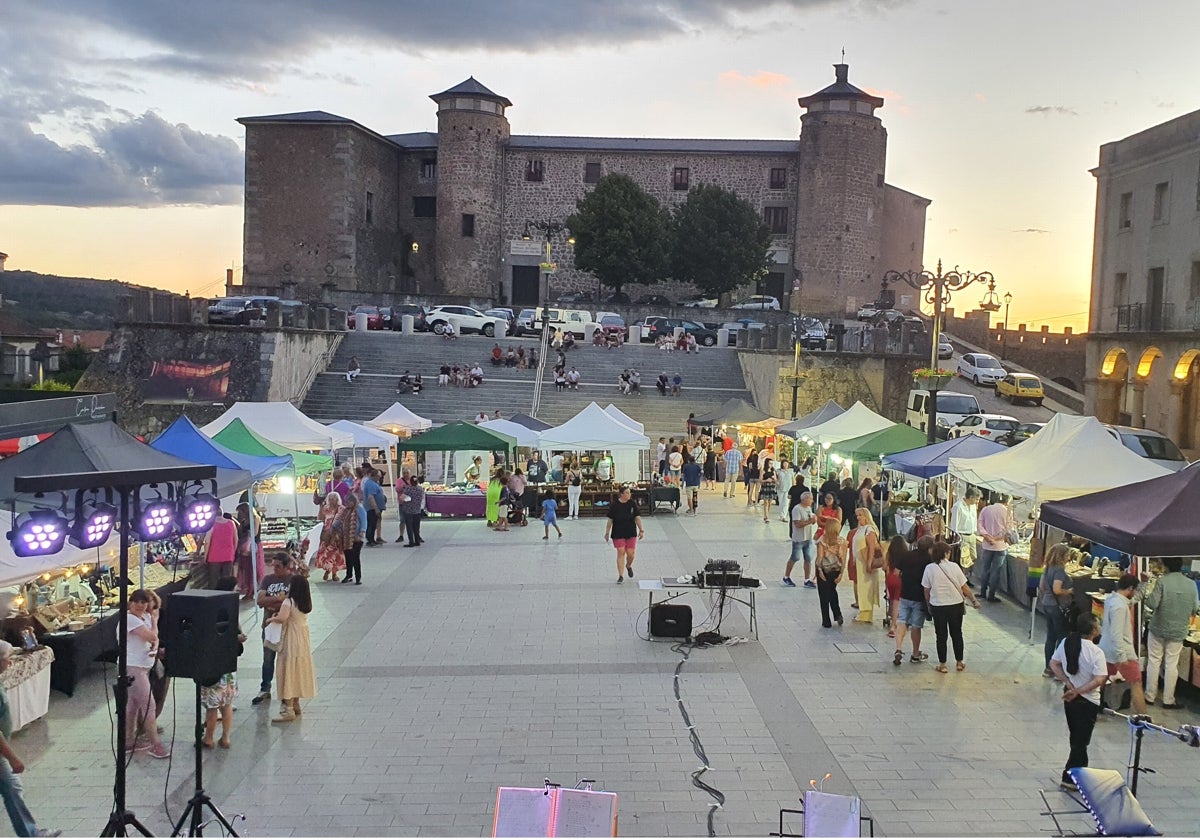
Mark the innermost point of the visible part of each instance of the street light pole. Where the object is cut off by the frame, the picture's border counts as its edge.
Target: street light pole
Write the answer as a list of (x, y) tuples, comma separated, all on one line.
[(936, 289), (548, 228), (1004, 337)]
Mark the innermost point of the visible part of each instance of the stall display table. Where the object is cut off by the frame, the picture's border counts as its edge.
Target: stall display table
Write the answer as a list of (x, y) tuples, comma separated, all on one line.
[(27, 684), (660, 495), (456, 504)]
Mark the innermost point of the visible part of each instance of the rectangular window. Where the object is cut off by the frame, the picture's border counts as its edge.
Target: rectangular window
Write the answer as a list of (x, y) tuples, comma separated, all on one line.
[(1121, 289), (679, 179), (776, 219), (1125, 217), (370, 208), (591, 172), (1160, 202), (533, 170), (1194, 289), (468, 224), (778, 179), (425, 206), (428, 169)]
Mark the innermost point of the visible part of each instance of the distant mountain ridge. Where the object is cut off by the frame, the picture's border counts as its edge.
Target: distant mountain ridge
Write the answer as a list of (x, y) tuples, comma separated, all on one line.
[(49, 300)]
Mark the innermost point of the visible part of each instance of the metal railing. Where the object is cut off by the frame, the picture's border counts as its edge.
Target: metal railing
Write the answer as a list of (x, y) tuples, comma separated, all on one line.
[(318, 367), (1144, 317)]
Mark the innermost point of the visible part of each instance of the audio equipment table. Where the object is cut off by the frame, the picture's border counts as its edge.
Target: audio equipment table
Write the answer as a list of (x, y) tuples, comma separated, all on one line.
[(743, 595)]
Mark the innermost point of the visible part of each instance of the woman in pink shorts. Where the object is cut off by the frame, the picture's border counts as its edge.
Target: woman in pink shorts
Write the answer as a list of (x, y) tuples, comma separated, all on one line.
[(624, 528)]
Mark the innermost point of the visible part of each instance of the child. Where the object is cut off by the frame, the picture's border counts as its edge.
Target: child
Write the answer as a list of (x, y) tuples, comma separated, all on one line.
[(217, 698), (550, 513)]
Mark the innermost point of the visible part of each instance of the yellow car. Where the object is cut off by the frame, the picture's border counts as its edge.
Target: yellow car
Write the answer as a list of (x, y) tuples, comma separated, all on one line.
[(1021, 386)]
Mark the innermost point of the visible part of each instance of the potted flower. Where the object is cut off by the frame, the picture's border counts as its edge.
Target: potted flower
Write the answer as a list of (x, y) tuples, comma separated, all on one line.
[(932, 379)]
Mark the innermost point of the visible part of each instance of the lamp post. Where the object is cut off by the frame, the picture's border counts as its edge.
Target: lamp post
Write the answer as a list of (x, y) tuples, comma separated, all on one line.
[(548, 228), (1004, 336), (936, 289)]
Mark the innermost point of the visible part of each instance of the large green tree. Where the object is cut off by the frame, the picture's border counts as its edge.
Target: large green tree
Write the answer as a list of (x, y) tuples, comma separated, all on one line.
[(622, 233), (719, 242)]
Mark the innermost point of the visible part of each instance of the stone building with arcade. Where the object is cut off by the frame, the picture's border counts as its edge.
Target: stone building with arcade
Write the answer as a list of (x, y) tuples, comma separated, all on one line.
[(335, 210), (1143, 352)]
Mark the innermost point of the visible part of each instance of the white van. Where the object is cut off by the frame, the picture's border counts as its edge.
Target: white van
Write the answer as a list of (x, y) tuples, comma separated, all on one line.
[(572, 320), (952, 408)]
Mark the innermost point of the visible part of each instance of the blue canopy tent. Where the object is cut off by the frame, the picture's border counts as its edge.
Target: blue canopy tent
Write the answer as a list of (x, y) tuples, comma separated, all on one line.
[(934, 460)]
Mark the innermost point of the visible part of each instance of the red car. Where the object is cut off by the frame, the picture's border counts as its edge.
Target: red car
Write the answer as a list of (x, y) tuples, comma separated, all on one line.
[(375, 319)]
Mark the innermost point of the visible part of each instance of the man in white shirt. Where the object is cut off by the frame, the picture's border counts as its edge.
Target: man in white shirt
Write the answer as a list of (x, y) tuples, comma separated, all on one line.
[(661, 456), (804, 531), (1081, 692), (1116, 640), (556, 468), (675, 463), (962, 522)]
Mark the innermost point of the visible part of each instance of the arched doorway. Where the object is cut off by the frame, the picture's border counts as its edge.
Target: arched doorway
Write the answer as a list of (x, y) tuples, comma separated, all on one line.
[(1110, 389), (1187, 374)]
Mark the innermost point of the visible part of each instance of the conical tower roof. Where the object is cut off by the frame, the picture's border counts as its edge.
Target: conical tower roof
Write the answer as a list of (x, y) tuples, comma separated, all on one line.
[(470, 87), (841, 89)]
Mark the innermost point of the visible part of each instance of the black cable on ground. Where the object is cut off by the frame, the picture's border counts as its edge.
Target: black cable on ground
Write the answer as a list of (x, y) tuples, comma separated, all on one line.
[(684, 649)]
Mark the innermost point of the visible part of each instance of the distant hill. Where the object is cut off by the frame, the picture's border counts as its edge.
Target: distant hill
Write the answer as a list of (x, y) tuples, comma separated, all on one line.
[(47, 300)]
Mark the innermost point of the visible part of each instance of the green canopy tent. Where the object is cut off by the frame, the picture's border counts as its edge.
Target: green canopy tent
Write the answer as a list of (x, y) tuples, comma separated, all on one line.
[(871, 447), (459, 436), (241, 438)]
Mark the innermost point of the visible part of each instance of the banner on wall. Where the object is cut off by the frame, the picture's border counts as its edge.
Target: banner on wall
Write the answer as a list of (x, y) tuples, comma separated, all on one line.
[(187, 381)]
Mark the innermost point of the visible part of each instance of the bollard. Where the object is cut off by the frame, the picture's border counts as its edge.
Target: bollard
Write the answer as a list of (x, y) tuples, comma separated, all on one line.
[(783, 335), (407, 324), (360, 322), (589, 332), (501, 327), (723, 337), (635, 333), (755, 339)]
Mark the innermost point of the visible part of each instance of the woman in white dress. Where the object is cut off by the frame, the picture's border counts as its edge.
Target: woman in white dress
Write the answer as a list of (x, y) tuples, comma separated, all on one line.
[(864, 546)]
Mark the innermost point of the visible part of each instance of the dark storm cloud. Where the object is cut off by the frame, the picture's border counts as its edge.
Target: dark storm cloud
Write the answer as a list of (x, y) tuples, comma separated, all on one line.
[(141, 162)]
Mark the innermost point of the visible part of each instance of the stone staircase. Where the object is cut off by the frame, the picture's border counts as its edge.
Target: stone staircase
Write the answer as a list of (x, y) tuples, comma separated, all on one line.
[(709, 378)]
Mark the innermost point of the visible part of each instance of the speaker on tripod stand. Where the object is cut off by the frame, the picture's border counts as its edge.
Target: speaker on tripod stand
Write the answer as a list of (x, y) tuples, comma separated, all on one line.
[(200, 634)]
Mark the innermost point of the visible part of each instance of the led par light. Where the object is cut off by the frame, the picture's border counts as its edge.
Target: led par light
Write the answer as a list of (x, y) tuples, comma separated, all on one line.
[(154, 519), (93, 525), (198, 513), (37, 533)]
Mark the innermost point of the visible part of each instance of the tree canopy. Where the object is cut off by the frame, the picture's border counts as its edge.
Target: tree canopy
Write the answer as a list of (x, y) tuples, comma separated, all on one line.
[(719, 241), (622, 234)]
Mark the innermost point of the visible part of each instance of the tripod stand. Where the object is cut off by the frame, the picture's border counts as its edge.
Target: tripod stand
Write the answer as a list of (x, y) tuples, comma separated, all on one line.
[(1138, 724), (200, 799)]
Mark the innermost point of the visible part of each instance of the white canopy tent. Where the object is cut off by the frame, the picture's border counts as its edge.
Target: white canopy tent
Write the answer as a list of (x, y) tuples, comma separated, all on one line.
[(1069, 457), (367, 438), (284, 424), (593, 429), (856, 421), (396, 418), (622, 417), (525, 436)]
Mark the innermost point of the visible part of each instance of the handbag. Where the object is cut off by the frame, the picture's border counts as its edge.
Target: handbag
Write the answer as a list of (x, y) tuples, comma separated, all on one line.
[(876, 562), (962, 605), (273, 636)]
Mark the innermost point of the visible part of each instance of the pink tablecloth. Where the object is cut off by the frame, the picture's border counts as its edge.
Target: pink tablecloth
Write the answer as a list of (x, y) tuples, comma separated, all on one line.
[(456, 504)]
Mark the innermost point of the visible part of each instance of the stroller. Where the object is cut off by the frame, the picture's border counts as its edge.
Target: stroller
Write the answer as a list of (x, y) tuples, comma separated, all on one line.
[(517, 514)]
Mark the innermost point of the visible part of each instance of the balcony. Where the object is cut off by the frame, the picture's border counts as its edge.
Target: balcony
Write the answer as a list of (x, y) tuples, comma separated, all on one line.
[(1142, 317)]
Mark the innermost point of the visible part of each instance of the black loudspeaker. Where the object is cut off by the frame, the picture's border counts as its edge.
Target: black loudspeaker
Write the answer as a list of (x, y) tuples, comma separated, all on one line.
[(671, 621), (200, 633)]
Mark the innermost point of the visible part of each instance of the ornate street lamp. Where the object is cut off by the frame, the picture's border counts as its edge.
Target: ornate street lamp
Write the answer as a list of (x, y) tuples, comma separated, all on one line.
[(548, 228), (1004, 337), (936, 289)]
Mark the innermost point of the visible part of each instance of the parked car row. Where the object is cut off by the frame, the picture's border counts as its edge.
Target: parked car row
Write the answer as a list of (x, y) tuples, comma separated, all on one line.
[(620, 298)]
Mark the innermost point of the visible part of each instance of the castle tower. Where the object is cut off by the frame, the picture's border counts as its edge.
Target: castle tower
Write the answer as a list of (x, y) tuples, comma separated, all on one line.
[(472, 136), (843, 148)]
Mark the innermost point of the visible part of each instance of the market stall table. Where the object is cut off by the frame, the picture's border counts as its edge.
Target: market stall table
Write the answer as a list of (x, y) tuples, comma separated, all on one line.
[(456, 504), (27, 683)]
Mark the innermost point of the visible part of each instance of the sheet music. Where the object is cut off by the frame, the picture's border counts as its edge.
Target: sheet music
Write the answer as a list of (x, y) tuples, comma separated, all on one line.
[(523, 812), (585, 813), (831, 815)]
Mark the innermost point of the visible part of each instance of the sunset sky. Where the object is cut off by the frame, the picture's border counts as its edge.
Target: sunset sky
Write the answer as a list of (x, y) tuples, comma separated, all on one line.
[(120, 157)]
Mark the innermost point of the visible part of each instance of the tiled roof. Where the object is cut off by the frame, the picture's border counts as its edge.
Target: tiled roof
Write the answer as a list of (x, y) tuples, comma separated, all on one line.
[(470, 87), (652, 144), (415, 140), (298, 116)]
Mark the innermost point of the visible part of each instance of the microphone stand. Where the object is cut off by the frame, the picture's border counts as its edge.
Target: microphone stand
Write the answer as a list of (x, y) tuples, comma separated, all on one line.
[(1138, 724)]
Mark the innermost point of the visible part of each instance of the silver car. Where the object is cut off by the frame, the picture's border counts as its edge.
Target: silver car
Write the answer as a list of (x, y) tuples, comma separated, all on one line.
[(1150, 445)]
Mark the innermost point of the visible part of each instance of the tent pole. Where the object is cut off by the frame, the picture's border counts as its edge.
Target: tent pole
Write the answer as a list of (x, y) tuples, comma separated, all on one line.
[(295, 501), (254, 552)]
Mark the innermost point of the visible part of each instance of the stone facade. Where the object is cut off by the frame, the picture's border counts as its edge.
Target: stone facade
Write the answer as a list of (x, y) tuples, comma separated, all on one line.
[(1143, 355), (448, 210)]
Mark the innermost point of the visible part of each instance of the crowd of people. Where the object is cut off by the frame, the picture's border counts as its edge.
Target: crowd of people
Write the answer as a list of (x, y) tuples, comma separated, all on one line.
[(515, 357)]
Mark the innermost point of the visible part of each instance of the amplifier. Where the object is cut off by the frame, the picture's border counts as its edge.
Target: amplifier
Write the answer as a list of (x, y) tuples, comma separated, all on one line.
[(722, 580), (671, 621)]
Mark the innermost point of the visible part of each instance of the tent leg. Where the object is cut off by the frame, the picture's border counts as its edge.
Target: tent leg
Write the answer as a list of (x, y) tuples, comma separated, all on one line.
[(253, 553), (296, 501)]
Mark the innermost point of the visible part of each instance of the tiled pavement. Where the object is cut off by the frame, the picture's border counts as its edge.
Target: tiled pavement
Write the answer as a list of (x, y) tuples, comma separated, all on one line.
[(488, 659)]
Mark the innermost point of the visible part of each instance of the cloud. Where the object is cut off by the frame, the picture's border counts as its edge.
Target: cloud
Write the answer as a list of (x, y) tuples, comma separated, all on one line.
[(762, 79), (1052, 110), (1030, 230), (140, 162)]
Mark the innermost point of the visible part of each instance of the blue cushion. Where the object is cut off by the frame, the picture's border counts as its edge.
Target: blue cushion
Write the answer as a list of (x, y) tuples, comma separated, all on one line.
[(1112, 805)]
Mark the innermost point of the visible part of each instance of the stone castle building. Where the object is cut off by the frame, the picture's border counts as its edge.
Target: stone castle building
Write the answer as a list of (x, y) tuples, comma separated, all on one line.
[(1143, 350), (335, 209)]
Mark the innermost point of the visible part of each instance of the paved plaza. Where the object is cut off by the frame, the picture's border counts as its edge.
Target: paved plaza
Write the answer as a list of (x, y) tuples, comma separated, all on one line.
[(482, 659)]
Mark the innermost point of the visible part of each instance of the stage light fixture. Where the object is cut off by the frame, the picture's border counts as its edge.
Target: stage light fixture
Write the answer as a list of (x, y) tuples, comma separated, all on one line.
[(198, 513), (93, 525), (38, 532), (155, 519)]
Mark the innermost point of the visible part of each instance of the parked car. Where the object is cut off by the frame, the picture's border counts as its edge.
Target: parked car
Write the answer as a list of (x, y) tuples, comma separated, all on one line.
[(952, 409), (655, 300), (980, 368), (1021, 386), (656, 326), (612, 324), (810, 333), (375, 319), (945, 348), (227, 310), (510, 318), (618, 298), (985, 425), (470, 320), (699, 303), (525, 321), (1022, 433), (396, 321), (757, 302), (867, 312), (1149, 444), (576, 297), (743, 324)]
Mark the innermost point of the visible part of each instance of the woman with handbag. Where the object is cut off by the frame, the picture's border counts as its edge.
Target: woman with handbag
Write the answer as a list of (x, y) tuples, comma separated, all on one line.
[(331, 557), (251, 564), (294, 672), (413, 505), (767, 491), (947, 593), (1056, 599), (574, 479), (752, 477), (831, 566), (867, 555)]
